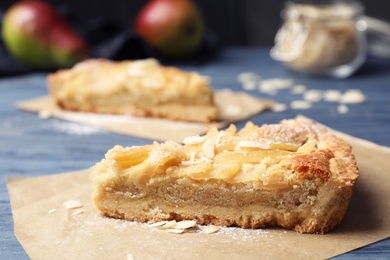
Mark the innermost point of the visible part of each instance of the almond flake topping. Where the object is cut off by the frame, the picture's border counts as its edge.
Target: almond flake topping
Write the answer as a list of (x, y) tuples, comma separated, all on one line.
[(208, 148), (251, 144), (307, 147), (196, 139)]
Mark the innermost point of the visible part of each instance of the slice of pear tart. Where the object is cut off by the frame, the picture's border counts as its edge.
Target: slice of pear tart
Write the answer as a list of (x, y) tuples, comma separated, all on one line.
[(141, 88), (296, 175)]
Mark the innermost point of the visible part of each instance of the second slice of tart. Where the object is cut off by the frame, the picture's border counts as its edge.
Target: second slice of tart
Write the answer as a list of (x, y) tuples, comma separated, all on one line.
[(138, 88)]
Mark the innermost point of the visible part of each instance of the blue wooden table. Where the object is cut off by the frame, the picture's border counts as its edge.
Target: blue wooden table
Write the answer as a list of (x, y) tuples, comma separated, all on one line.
[(31, 146)]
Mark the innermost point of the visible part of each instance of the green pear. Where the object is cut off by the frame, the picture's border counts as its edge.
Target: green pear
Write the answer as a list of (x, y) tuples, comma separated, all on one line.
[(173, 28), (37, 35)]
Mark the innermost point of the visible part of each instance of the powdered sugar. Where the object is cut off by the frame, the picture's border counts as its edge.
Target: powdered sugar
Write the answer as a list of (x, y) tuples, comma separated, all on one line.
[(71, 128)]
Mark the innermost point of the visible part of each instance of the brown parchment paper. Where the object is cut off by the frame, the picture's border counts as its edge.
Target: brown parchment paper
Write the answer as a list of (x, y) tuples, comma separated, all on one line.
[(234, 106), (60, 235)]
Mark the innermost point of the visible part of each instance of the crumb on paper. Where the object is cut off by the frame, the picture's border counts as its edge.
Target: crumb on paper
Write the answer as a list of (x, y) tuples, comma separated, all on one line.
[(72, 204), (51, 211), (130, 256)]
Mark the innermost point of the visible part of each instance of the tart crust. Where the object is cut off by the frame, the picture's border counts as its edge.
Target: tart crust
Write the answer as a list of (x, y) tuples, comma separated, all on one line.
[(137, 88), (296, 175)]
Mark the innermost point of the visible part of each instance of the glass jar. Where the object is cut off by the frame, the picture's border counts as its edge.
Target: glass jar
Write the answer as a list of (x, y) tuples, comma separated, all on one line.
[(323, 38)]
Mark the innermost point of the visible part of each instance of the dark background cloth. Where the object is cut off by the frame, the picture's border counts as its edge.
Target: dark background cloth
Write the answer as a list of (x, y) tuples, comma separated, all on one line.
[(107, 25)]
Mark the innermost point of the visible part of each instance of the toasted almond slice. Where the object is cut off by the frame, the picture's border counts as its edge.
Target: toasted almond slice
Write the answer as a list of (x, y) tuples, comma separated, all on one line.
[(169, 224), (332, 95), (175, 231), (313, 95), (307, 147), (353, 96), (72, 204), (51, 211), (211, 229), (130, 257), (251, 144), (158, 224), (208, 148), (298, 89), (300, 104), (185, 224), (77, 212), (279, 107), (196, 139)]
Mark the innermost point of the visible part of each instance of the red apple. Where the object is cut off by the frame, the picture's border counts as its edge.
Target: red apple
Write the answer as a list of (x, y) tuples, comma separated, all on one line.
[(36, 34), (173, 28)]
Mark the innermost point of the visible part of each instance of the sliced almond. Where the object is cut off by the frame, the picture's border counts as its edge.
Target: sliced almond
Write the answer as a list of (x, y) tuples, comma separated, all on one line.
[(77, 212), (332, 95), (211, 229), (175, 231), (353, 96), (72, 204), (185, 224), (300, 104), (298, 89), (158, 224), (208, 148), (313, 95), (130, 257), (279, 107), (169, 224), (307, 147), (51, 211), (342, 109), (251, 144), (196, 139)]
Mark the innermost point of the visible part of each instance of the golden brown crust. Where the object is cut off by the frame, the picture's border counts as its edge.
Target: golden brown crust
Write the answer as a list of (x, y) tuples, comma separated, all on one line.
[(136, 88), (301, 177)]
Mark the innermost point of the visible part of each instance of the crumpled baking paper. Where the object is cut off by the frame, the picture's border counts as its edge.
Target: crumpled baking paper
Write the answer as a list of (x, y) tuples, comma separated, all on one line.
[(234, 107), (47, 230)]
